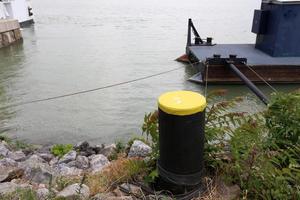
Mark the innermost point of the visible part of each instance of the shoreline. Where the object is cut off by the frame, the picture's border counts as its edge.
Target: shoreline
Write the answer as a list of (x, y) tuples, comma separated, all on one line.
[(39, 169), (245, 156)]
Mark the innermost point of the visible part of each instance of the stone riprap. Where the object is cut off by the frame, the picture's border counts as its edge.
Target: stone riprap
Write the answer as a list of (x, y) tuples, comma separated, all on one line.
[(9, 32), (38, 169)]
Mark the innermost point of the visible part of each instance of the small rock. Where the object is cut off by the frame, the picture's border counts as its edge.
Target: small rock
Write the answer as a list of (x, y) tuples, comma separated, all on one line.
[(74, 191), (42, 193), (97, 149), (9, 187), (17, 155), (7, 162), (72, 163), (53, 161), (82, 162), (70, 156), (41, 185), (3, 149), (139, 149), (85, 149), (8, 174), (230, 192), (90, 151), (118, 193), (98, 162), (155, 197), (132, 189), (110, 196), (82, 146), (108, 150), (46, 156), (35, 159), (65, 170)]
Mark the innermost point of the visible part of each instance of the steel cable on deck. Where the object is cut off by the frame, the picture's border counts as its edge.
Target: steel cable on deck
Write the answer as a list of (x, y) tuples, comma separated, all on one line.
[(89, 90), (261, 78)]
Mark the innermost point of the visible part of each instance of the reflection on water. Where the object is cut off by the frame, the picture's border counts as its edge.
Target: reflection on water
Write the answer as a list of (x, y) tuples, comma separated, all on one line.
[(12, 58), (77, 45)]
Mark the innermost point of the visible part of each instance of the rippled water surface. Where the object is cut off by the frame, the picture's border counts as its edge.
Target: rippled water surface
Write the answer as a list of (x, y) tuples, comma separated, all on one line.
[(77, 45)]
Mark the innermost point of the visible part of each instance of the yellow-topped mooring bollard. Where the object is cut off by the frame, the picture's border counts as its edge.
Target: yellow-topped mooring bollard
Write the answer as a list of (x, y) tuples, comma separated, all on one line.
[(181, 141)]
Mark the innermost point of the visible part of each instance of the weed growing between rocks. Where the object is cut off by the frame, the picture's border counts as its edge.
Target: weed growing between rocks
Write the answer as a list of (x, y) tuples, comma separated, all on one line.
[(61, 149), (119, 171)]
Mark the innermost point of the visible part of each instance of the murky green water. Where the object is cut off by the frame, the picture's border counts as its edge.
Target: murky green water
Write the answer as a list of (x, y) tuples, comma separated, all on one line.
[(77, 45)]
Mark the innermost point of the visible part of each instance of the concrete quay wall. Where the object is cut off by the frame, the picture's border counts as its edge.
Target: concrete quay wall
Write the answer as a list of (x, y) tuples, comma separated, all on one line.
[(9, 32)]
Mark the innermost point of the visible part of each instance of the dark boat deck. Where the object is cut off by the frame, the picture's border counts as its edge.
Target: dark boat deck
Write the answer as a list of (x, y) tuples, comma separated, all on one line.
[(254, 56), (272, 69)]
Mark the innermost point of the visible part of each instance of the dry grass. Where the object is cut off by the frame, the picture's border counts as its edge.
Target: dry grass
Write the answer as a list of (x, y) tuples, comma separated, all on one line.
[(120, 170), (211, 192), (216, 189)]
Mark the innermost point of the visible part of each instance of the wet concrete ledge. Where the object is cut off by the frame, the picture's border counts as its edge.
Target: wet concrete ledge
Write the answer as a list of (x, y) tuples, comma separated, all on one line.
[(9, 32)]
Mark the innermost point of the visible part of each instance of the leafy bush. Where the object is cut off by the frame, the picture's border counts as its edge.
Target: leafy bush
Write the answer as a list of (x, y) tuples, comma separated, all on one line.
[(283, 118), (61, 149), (258, 152), (150, 128)]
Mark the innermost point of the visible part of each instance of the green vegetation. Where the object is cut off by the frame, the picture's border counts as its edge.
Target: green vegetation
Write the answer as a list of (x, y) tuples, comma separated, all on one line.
[(16, 144), (258, 152), (119, 171), (61, 149), (150, 129)]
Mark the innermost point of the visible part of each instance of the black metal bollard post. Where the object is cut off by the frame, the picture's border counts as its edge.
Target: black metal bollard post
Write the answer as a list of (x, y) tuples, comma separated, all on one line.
[(181, 141)]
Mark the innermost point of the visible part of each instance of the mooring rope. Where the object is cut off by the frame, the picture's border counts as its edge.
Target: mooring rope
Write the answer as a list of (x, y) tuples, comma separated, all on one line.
[(261, 78), (206, 72), (89, 90), (206, 80)]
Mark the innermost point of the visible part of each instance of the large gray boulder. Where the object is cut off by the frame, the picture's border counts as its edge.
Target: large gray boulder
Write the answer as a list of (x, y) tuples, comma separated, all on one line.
[(8, 162), (98, 162), (65, 170), (9, 187), (139, 149), (16, 155), (75, 191), (37, 170), (70, 156), (82, 162), (109, 150)]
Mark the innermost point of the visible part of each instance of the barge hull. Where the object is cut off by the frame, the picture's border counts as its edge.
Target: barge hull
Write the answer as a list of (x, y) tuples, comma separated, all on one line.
[(261, 65)]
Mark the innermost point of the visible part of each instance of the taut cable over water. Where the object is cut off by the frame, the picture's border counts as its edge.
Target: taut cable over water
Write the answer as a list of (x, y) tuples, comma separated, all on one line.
[(89, 90)]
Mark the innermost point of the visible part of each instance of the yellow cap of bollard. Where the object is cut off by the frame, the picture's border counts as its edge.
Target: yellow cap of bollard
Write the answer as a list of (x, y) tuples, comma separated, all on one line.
[(181, 103)]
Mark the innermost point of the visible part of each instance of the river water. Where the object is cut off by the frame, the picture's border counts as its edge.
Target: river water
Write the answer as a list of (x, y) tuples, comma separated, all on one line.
[(77, 45)]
